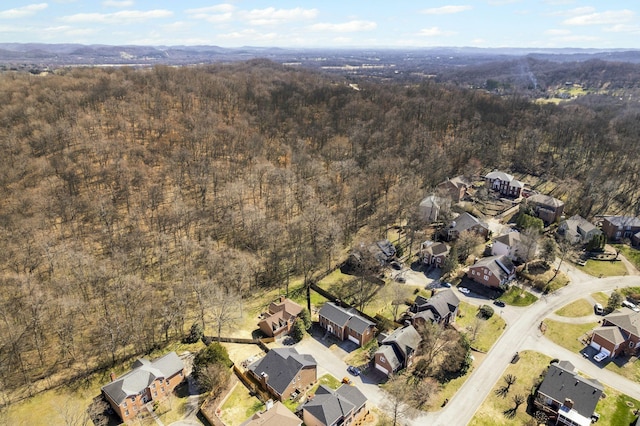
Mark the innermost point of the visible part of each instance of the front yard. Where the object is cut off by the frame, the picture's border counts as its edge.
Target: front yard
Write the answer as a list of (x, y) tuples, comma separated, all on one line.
[(239, 406), (579, 308), (568, 335), (482, 333), (517, 296), (603, 268)]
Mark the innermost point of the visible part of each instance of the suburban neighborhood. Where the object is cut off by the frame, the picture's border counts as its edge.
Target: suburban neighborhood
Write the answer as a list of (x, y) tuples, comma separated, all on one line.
[(525, 265)]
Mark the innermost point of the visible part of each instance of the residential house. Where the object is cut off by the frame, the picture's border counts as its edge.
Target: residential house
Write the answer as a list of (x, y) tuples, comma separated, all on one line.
[(327, 407), (504, 183), (567, 397), (578, 230), (346, 323), (635, 239), (546, 207), (431, 207), (619, 333), (492, 271), (274, 415), (455, 189), (383, 250), (147, 381), (466, 222), (617, 228), (283, 370), (280, 317), (396, 350), (509, 245), (441, 308), (433, 253)]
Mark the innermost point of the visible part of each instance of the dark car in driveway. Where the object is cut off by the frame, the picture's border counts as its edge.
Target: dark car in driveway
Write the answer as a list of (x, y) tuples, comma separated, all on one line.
[(353, 370), (499, 303)]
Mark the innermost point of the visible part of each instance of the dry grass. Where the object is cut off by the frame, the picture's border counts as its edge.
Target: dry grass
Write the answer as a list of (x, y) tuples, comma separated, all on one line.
[(568, 335), (488, 330), (601, 298), (239, 406)]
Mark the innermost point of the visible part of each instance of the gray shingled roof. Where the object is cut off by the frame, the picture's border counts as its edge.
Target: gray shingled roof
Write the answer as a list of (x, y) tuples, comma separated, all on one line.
[(626, 319), (545, 200), (281, 365), (390, 355), (464, 222), (623, 220), (343, 316), (560, 383), (509, 239), (405, 340), (610, 334), (329, 406), (500, 266), (444, 302), (144, 372)]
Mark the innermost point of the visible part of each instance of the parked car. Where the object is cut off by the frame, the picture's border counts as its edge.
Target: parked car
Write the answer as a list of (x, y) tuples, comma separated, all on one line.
[(464, 290), (396, 265), (598, 309), (499, 303), (353, 370), (630, 305), (447, 285), (600, 356), (400, 279)]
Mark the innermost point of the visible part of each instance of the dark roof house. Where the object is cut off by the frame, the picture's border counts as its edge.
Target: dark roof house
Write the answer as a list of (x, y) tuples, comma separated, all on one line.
[(280, 317), (346, 323), (329, 407), (396, 351), (276, 415), (566, 394), (492, 271), (283, 370), (441, 308), (466, 222)]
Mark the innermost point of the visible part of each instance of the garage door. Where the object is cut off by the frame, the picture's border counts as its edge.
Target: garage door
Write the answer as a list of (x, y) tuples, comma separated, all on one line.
[(382, 369), (607, 352), (595, 345), (354, 340)]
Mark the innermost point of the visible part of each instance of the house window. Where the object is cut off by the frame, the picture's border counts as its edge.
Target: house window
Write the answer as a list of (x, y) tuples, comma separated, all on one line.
[(486, 278), (630, 344), (126, 413)]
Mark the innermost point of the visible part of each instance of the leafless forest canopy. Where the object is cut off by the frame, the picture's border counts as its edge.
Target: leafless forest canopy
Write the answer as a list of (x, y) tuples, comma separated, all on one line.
[(134, 201)]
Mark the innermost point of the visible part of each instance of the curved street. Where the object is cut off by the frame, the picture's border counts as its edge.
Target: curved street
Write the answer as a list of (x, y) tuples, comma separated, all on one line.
[(522, 333)]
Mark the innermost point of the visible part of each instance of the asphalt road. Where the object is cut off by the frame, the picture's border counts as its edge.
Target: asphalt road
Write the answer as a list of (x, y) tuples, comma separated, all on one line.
[(522, 333)]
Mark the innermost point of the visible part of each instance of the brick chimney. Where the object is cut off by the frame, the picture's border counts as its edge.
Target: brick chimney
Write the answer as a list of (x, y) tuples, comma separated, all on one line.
[(112, 376), (568, 402), (263, 378), (282, 299)]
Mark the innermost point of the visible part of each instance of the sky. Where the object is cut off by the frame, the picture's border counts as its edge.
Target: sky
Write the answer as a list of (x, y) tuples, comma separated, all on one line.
[(328, 23)]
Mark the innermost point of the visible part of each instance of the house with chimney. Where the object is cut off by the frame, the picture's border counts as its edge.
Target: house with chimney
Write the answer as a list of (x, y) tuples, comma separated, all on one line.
[(619, 333), (345, 323), (546, 207), (396, 351), (433, 253), (618, 228), (578, 230), (146, 382), (566, 397), (344, 406), (275, 414), (465, 222), (509, 245), (280, 317), (432, 206), (283, 371), (455, 189), (441, 308), (504, 183), (492, 271)]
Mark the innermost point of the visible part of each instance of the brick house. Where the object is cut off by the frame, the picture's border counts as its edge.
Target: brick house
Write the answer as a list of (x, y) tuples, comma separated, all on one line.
[(283, 370), (619, 333), (492, 271), (508, 244), (441, 308), (454, 189), (280, 317), (433, 253), (567, 397), (346, 324), (466, 222), (504, 183), (546, 207), (431, 206), (396, 350), (147, 381), (617, 228), (275, 414), (344, 406)]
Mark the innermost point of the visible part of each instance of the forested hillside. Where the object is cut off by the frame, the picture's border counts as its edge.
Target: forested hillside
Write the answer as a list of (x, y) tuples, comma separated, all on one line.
[(135, 202)]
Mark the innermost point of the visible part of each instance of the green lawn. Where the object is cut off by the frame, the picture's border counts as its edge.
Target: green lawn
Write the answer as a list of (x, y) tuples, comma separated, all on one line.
[(567, 335), (630, 370), (526, 371), (579, 308), (518, 297), (488, 331), (616, 408), (239, 406), (603, 268), (631, 254), (601, 298)]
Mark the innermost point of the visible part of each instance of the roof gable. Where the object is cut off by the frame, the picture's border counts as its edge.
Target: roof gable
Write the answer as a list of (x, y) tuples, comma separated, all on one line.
[(330, 406), (560, 383), (345, 317), (281, 365)]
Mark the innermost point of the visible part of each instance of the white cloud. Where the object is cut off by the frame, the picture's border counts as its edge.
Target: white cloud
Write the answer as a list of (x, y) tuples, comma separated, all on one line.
[(503, 2), (346, 27), (219, 8), (446, 10), (434, 32), (574, 12), (248, 34), (21, 12), (557, 32), (273, 16), (558, 2), (622, 28), (610, 17), (117, 3), (125, 16)]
